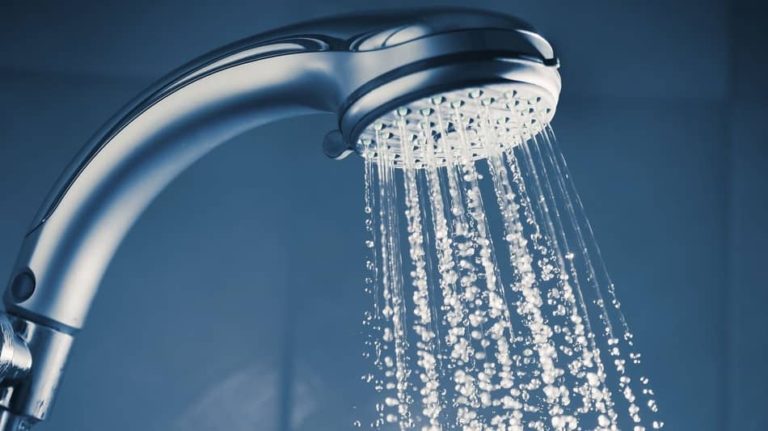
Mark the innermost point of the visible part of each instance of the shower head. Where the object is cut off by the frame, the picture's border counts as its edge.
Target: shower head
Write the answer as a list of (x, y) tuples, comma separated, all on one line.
[(373, 71), (442, 58)]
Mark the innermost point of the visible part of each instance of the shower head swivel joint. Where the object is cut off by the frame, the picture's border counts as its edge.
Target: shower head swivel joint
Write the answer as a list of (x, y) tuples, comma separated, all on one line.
[(359, 67)]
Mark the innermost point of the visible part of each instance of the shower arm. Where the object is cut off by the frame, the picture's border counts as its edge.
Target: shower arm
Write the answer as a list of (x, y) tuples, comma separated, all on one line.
[(352, 71), (71, 241)]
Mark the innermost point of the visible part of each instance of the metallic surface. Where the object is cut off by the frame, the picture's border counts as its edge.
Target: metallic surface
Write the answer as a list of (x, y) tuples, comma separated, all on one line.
[(14, 422), (31, 398), (15, 358), (356, 67)]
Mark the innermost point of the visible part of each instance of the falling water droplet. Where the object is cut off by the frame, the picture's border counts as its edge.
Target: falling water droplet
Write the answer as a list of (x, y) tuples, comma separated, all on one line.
[(478, 326)]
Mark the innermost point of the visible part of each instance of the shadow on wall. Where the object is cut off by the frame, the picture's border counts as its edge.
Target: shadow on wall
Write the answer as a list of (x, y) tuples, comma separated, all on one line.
[(249, 399)]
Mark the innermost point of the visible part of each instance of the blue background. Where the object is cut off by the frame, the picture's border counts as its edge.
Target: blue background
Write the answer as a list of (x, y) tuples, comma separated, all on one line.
[(235, 302)]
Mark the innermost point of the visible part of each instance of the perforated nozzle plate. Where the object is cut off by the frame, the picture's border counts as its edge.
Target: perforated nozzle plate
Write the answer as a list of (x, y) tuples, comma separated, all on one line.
[(456, 126)]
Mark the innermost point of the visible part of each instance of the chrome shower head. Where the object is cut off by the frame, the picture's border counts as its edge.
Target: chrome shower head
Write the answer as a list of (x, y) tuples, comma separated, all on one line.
[(444, 56), (362, 68)]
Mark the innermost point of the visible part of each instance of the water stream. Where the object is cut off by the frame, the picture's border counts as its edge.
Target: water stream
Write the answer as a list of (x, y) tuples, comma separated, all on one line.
[(492, 308)]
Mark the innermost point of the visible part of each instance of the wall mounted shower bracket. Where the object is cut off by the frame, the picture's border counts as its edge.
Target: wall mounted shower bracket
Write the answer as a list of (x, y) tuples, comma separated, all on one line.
[(357, 67)]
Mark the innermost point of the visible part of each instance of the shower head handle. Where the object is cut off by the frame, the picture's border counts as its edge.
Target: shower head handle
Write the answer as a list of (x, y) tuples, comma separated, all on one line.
[(355, 67), (365, 67)]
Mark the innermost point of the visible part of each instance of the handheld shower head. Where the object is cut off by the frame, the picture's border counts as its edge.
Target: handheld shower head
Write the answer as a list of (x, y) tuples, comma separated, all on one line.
[(362, 67)]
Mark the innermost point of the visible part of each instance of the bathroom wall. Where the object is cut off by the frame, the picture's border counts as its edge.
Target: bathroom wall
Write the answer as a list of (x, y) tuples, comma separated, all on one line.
[(748, 214), (235, 302)]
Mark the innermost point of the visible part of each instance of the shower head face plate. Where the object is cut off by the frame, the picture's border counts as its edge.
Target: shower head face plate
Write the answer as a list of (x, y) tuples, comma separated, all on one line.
[(457, 126)]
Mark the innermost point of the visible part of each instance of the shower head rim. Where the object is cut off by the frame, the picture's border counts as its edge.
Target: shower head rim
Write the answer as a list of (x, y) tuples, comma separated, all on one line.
[(518, 72), (476, 57)]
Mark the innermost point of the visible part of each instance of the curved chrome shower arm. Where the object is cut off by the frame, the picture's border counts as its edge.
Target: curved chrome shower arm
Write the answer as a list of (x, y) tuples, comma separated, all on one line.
[(119, 173), (69, 249), (63, 259)]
